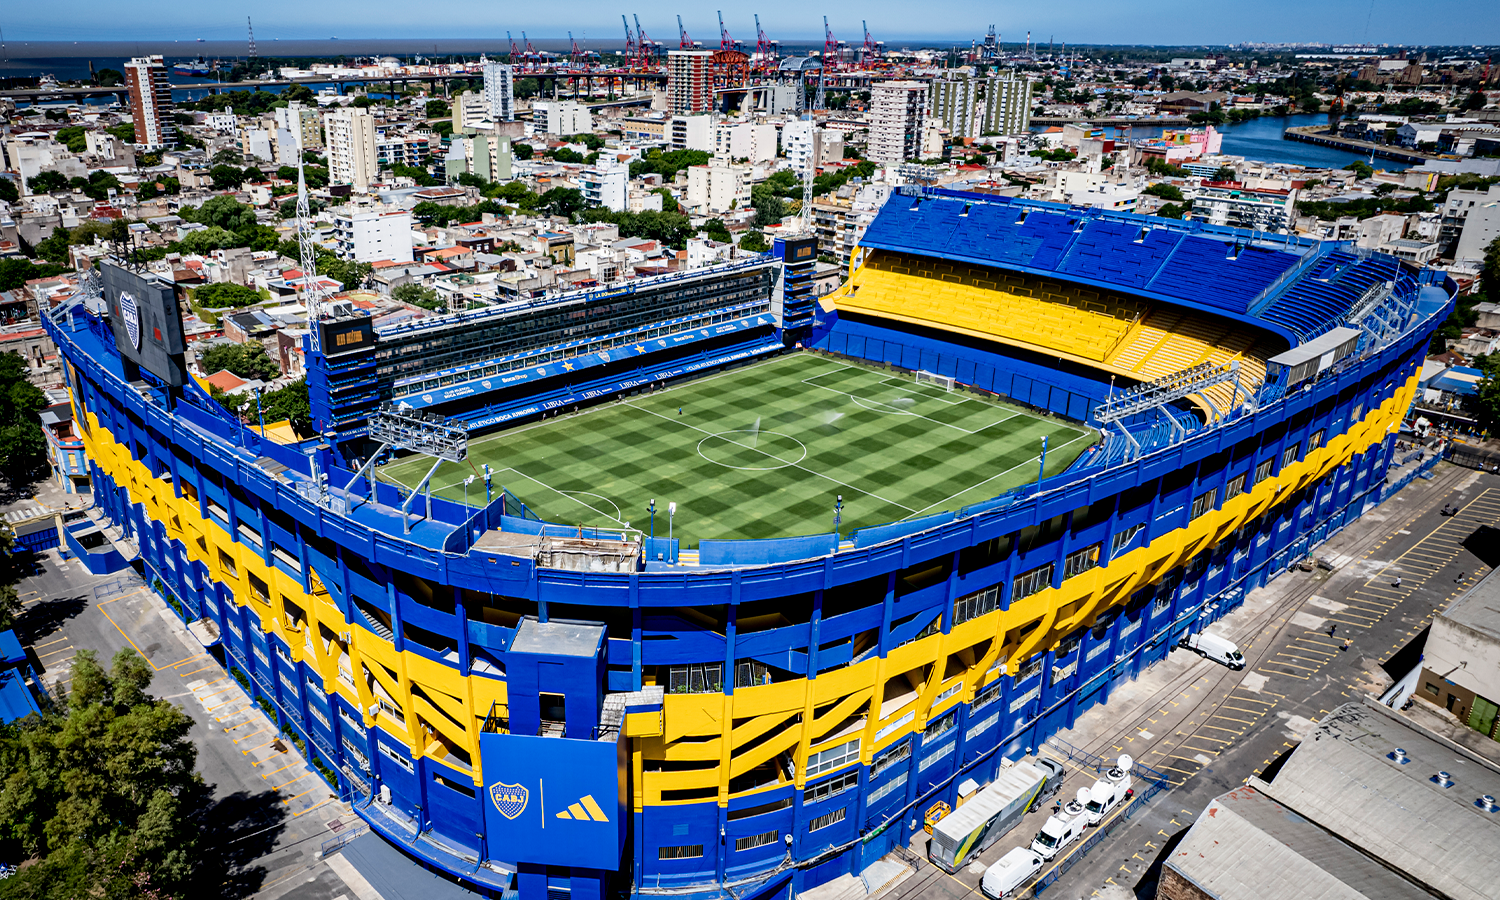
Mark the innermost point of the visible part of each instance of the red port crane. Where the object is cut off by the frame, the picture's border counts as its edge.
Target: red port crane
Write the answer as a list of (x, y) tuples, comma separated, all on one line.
[(644, 44), (765, 48), (725, 41), (630, 50), (830, 48), (683, 41)]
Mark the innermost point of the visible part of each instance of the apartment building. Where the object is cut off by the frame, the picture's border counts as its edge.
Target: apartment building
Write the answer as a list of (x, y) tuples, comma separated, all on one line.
[(150, 102), (351, 148), (972, 107), (718, 187), (500, 91), (1241, 207), (690, 85), (896, 112), (370, 235)]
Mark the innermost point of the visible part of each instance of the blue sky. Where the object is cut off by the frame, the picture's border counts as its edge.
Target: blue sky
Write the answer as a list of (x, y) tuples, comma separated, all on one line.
[(1073, 21)]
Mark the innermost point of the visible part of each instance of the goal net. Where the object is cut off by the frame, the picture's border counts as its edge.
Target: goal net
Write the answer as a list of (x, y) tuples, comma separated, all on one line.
[(943, 381)]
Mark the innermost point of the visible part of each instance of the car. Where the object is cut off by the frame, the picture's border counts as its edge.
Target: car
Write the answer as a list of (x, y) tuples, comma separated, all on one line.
[(1210, 646)]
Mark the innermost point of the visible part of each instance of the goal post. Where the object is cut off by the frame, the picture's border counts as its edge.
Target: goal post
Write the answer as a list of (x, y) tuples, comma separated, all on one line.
[(943, 381)]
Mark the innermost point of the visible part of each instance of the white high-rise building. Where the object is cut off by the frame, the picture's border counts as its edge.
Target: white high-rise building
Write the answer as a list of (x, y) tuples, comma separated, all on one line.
[(896, 110), (805, 143), (754, 141), (500, 91), (351, 148), (374, 235), (605, 185), (561, 117), (972, 107), (297, 115), (718, 187)]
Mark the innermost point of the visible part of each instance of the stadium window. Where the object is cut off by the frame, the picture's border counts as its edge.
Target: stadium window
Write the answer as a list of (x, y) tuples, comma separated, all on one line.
[(828, 818), (1029, 668), (1065, 647), (889, 758), (1289, 455), (887, 789), (831, 758), (1235, 487), (684, 851), (756, 840), (699, 678), (830, 788), (1263, 471), (939, 727), (976, 604), (989, 694), (1357, 413), (226, 562), (1123, 539), (1203, 503), (1080, 561), (752, 811), (1032, 582), (750, 674), (466, 789)]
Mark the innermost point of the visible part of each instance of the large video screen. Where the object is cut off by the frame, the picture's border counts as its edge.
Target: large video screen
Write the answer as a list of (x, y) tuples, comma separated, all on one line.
[(146, 320)]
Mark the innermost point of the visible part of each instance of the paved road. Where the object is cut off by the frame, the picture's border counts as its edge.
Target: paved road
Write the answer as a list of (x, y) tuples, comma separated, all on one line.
[(272, 814), (1209, 728)]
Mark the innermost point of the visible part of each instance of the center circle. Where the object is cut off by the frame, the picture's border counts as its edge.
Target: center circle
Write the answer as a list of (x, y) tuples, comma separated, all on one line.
[(753, 451)]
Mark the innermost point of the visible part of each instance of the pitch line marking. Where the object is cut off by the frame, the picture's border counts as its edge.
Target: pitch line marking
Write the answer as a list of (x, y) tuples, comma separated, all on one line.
[(991, 478)]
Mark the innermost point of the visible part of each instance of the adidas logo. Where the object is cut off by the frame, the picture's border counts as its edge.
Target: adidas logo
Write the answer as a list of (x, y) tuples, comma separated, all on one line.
[(584, 810)]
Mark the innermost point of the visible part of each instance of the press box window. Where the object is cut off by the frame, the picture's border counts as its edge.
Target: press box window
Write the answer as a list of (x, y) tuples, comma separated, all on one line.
[(1235, 487), (1032, 582), (1289, 455), (1203, 503), (685, 851), (1080, 561), (1316, 440), (1263, 471)]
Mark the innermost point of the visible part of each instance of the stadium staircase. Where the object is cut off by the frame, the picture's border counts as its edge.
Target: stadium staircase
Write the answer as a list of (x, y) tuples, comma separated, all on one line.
[(1117, 334)]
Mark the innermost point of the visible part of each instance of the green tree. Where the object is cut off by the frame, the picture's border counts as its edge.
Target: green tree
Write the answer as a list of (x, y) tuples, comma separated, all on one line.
[(247, 360), (1164, 191), (16, 271), (101, 792), (1223, 173), (225, 295), (289, 404), (47, 182), (437, 109), (109, 77), (421, 176), (469, 179), (1475, 100), (73, 138), (565, 155), (125, 131), (352, 275), (522, 151), (1171, 211), (715, 230), (754, 242), (561, 202), (22, 446), (8, 190), (1484, 404), (1360, 169), (417, 295), (225, 177)]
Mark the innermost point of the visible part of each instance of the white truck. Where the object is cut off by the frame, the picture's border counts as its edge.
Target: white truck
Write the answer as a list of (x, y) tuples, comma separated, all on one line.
[(1062, 829), (1010, 872), (987, 816), (1210, 646), (1109, 791)]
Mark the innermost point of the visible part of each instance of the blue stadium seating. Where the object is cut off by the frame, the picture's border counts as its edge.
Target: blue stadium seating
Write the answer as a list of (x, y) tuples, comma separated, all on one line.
[(1319, 300)]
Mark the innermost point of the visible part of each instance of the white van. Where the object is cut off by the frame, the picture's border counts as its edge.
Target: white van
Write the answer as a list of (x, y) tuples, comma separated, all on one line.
[(1010, 872), (1109, 791), (1058, 833), (1211, 646)]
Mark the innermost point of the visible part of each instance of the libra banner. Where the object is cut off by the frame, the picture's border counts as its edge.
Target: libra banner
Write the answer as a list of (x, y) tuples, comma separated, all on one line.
[(555, 801)]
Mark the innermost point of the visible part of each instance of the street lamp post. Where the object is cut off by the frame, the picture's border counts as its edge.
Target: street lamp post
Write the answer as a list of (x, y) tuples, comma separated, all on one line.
[(671, 515), (651, 507), (838, 515), (1042, 464)]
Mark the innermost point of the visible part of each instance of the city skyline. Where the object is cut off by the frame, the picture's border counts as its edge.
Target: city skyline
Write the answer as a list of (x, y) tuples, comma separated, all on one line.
[(1449, 22)]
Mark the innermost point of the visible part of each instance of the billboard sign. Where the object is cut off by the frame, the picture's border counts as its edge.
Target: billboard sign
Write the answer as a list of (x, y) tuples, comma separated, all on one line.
[(346, 335), (554, 801), (146, 321)]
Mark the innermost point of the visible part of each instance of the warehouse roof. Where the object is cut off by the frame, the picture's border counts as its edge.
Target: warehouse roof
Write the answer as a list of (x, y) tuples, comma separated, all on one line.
[(1247, 846), (1346, 777)]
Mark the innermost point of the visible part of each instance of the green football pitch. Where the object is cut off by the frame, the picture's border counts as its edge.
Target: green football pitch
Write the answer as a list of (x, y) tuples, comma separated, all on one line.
[(764, 451)]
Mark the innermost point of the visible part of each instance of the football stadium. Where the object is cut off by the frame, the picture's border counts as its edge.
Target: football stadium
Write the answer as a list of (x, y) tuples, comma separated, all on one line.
[(703, 586)]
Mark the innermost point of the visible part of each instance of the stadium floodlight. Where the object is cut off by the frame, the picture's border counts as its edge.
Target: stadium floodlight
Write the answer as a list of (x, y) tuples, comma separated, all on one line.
[(651, 507), (671, 514)]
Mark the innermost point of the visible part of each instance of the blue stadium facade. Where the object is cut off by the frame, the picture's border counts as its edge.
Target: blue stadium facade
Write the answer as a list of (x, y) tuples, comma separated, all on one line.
[(576, 719)]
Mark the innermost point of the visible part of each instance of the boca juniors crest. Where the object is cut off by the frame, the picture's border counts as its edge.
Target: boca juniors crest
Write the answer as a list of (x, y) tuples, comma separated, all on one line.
[(509, 799), (130, 312)]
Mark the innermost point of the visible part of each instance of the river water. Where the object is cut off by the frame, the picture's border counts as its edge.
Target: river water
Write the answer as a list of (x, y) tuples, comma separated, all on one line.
[(1260, 139)]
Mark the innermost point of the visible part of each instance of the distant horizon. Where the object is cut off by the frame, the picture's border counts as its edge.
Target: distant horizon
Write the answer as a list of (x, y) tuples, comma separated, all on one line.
[(1209, 23)]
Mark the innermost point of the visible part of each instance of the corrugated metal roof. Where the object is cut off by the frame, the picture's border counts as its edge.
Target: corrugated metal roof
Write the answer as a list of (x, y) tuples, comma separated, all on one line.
[(1247, 846), (1342, 778)]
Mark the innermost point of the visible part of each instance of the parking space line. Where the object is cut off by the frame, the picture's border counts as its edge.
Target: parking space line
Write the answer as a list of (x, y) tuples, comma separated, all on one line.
[(48, 644)]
